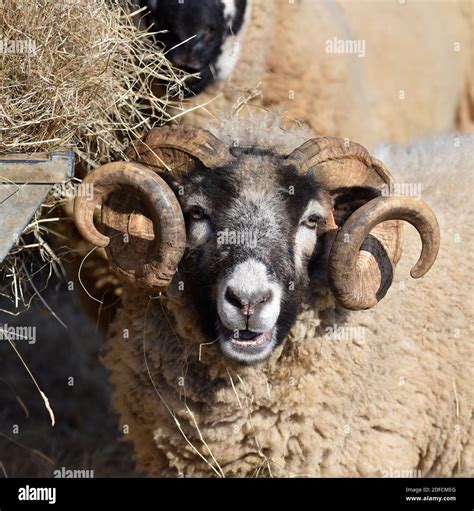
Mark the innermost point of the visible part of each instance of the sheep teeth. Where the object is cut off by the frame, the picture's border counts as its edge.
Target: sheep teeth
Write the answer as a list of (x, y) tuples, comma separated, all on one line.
[(257, 341)]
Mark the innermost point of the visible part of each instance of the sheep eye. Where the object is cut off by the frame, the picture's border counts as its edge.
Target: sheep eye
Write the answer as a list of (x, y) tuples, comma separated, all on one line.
[(196, 213), (312, 221)]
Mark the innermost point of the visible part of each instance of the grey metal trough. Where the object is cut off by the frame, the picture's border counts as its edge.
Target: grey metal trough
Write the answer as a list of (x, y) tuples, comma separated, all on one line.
[(25, 180)]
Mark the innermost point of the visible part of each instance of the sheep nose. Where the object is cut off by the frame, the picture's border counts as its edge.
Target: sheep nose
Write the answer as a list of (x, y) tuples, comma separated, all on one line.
[(248, 303)]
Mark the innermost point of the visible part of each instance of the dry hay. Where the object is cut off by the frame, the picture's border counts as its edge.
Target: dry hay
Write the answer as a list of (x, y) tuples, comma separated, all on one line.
[(79, 74)]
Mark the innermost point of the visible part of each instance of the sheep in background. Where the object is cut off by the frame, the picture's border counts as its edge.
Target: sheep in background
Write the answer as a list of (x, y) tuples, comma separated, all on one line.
[(363, 70), (209, 30), (386, 391)]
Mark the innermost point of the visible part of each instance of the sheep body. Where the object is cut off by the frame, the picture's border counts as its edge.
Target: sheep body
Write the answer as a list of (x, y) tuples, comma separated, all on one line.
[(397, 398), (393, 88)]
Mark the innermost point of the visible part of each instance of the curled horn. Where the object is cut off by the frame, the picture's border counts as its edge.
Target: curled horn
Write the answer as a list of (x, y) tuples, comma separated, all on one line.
[(368, 245), (166, 252), (141, 224), (176, 148), (356, 283)]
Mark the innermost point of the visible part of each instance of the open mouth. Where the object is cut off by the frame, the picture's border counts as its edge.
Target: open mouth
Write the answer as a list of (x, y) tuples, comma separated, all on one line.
[(246, 345), (248, 339)]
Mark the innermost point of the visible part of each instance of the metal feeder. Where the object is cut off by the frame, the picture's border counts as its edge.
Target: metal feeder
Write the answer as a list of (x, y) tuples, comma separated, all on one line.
[(25, 181)]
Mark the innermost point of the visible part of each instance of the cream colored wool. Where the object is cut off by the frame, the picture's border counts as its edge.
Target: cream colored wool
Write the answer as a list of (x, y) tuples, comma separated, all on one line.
[(396, 400), (415, 77)]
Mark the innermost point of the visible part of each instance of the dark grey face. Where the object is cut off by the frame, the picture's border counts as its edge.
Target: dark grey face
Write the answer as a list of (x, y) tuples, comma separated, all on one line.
[(209, 24), (252, 235)]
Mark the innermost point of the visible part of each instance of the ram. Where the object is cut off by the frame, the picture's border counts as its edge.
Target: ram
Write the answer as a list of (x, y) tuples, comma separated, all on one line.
[(234, 352), (368, 71)]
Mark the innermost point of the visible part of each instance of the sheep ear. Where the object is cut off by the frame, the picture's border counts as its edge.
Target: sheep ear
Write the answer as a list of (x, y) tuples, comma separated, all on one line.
[(344, 201), (347, 199)]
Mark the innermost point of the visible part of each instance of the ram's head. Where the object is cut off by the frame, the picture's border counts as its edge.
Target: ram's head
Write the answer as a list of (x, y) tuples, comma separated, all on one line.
[(246, 234)]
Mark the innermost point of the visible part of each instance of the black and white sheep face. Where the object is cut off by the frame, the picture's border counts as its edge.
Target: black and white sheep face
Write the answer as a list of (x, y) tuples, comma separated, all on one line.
[(201, 36), (252, 234)]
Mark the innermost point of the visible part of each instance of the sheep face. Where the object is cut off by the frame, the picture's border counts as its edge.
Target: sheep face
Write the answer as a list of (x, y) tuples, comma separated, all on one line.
[(199, 35), (249, 232), (251, 236)]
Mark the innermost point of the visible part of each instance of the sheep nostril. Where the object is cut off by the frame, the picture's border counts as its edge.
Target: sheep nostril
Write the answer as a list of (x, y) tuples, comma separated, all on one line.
[(232, 297), (264, 297), (247, 305)]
